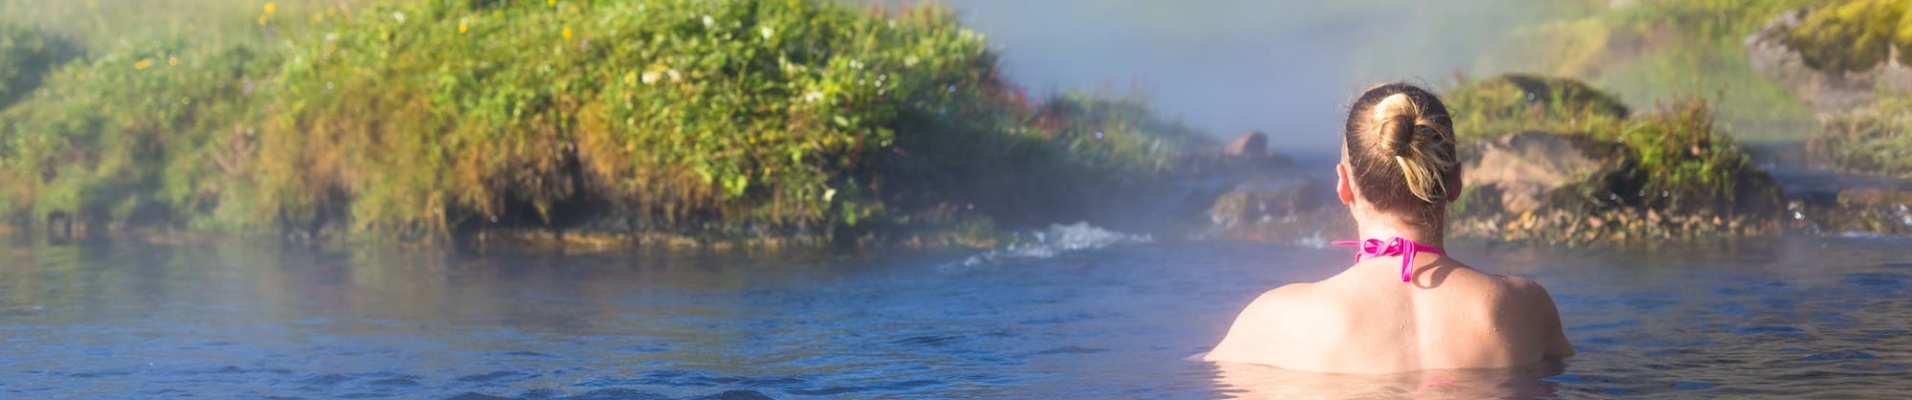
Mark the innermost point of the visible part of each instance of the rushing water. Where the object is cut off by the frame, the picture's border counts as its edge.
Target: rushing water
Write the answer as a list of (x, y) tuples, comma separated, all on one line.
[(1790, 318)]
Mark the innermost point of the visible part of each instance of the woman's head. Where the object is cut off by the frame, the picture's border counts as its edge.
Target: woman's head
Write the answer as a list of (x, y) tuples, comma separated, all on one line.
[(1400, 153)]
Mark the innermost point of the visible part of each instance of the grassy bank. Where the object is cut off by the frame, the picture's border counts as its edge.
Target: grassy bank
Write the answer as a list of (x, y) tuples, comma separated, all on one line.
[(423, 119)]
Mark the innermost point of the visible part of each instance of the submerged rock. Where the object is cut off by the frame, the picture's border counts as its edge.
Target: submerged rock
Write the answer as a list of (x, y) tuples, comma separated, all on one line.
[(1867, 210)]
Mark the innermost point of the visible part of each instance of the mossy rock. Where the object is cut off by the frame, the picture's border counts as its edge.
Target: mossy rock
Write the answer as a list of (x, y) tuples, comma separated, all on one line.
[(1521, 102), (1669, 174), (1853, 36)]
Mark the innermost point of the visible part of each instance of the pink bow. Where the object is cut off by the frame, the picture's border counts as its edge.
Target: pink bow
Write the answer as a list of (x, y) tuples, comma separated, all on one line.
[(1397, 246)]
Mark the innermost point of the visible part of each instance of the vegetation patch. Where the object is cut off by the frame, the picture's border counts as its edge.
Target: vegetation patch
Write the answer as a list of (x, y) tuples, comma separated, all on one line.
[(1853, 35), (1517, 102), (1871, 141), (1644, 51), (148, 132), (1675, 173), (429, 118), (26, 54)]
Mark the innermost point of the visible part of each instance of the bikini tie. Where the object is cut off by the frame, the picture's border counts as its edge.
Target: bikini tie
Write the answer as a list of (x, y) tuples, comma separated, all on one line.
[(1398, 246)]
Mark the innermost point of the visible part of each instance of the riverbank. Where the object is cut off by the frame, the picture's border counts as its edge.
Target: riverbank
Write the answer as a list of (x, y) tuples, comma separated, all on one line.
[(445, 121)]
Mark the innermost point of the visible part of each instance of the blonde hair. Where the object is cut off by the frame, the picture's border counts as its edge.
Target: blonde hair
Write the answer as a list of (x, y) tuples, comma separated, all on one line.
[(1401, 149)]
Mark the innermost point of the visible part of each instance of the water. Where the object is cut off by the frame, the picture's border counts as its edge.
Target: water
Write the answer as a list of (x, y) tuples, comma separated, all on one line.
[(1785, 318)]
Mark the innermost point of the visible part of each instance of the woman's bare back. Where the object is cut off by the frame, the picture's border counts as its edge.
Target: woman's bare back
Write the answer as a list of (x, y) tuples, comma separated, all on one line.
[(1450, 316)]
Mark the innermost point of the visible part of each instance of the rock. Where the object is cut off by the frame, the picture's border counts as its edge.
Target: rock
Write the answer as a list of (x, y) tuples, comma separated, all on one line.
[(1826, 92), (1267, 199), (1251, 144), (1524, 167), (1878, 210)]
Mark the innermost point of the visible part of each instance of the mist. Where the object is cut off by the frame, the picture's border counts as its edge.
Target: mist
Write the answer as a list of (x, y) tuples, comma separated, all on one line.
[(1286, 68)]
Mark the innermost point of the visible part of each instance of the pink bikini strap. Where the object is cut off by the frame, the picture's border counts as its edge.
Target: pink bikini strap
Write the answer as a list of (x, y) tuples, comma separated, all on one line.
[(1398, 246)]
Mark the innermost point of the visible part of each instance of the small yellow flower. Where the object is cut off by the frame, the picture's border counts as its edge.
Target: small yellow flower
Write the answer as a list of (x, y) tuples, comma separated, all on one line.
[(271, 8), (143, 64), (553, 3), (172, 61), (463, 26), (567, 33)]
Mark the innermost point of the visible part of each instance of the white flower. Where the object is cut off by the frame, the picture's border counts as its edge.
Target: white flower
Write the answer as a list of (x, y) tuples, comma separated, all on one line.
[(708, 22), (812, 97), (650, 77), (766, 32), (399, 15)]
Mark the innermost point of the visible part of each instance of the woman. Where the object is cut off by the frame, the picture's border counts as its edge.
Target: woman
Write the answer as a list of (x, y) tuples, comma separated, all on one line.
[(1404, 305)]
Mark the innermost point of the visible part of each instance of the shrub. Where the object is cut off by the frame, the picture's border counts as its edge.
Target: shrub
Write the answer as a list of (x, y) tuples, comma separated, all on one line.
[(148, 131), (1687, 164), (26, 55)]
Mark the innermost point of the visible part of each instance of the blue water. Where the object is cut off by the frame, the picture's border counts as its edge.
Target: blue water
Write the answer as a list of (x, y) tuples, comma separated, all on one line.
[(1786, 318)]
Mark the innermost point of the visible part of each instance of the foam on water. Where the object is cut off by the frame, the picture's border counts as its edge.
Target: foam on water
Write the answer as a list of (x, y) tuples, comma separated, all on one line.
[(1056, 240)]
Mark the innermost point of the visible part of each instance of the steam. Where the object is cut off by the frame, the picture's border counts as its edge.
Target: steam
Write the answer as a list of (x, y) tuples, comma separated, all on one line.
[(1231, 66)]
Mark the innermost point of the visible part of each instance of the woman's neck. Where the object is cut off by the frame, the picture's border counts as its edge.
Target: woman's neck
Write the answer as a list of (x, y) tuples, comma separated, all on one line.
[(1385, 227)]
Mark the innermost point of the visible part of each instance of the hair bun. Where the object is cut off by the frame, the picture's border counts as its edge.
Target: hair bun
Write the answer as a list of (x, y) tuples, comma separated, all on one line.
[(1396, 121)]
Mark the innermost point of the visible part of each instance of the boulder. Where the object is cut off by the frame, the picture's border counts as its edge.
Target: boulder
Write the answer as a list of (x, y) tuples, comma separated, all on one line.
[(1271, 198), (1251, 144), (1522, 168), (1871, 210)]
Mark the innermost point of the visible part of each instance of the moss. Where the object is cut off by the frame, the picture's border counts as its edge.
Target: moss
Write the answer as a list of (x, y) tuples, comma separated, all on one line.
[(1870, 141), (1517, 102), (1849, 36)]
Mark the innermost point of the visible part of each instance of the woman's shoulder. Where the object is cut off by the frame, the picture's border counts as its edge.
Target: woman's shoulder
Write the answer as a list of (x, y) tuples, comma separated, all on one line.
[(1266, 331)]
